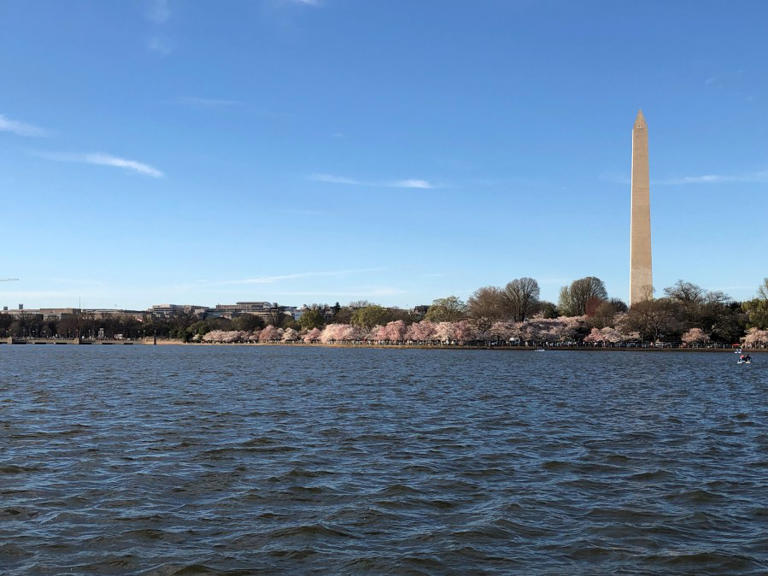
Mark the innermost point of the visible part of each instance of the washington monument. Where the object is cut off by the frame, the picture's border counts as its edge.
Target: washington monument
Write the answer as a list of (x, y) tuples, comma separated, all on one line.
[(640, 272)]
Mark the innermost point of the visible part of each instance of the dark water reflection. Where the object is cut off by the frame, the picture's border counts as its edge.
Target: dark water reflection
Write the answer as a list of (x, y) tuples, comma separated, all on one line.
[(219, 460)]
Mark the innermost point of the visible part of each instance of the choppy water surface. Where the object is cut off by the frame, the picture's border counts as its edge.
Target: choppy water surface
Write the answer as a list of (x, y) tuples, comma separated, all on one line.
[(251, 460)]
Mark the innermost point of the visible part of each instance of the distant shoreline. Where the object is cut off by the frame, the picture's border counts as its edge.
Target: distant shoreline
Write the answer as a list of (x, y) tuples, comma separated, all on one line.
[(174, 342)]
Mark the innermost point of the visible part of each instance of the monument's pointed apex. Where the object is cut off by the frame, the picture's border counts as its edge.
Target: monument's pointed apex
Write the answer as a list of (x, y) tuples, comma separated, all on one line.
[(640, 118)]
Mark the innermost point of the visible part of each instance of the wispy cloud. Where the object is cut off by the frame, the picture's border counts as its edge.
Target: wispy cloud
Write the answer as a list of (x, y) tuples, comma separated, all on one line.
[(304, 2), (411, 183), (747, 177), (101, 159), (198, 102), (407, 183), (331, 179), (20, 128), (297, 275), (108, 160), (362, 293), (158, 11)]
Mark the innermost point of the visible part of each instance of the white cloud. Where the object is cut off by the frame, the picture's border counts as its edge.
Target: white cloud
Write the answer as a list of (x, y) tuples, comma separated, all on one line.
[(331, 179), (305, 2), (407, 183), (101, 159), (412, 183), (108, 160), (198, 102), (747, 177), (158, 11), (20, 128)]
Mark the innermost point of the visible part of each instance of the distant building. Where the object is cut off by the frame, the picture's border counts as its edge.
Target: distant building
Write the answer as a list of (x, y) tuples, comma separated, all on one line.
[(171, 310), (59, 313), (420, 311), (45, 313), (264, 310)]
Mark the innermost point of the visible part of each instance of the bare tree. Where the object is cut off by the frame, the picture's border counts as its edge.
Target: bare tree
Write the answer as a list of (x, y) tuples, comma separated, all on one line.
[(488, 303), (522, 297), (686, 293)]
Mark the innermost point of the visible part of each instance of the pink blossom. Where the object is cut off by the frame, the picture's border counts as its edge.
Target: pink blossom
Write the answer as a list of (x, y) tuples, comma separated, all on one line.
[(756, 338), (270, 334), (445, 332), (290, 335), (694, 337), (423, 331), (313, 335)]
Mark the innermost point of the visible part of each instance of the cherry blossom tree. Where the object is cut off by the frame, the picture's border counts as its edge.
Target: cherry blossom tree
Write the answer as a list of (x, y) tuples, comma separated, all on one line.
[(423, 331), (378, 333), (504, 331), (445, 332), (594, 337), (464, 331), (225, 336), (395, 331), (611, 335), (290, 335), (312, 335), (271, 334), (756, 338), (333, 333), (695, 337)]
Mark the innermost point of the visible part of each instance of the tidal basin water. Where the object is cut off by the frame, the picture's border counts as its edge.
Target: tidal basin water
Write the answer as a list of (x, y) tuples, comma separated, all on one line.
[(281, 460)]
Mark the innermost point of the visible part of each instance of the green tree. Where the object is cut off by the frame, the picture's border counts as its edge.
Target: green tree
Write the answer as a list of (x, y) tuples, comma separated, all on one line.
[(370, 316), (757, 308), (548, 309), (757, 313), (248, 322), (450, 309), (312, 318), (583, 295), (5, 321), (565, 303)]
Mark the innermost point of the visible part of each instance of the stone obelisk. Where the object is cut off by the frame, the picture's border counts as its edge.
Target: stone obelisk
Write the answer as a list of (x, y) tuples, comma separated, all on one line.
[(640, 275)]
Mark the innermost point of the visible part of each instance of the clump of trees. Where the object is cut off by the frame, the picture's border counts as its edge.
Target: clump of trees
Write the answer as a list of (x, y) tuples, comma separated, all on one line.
[(686, 315)]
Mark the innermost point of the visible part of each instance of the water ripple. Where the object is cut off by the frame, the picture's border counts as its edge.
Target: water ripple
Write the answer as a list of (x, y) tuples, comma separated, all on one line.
[(244, 460)]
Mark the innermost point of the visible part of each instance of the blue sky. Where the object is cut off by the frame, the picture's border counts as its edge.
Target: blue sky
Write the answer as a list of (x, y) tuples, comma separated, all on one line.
[(395, 151)]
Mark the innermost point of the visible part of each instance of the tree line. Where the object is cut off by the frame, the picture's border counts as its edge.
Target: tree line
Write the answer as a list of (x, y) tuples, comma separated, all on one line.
[(584, 314)]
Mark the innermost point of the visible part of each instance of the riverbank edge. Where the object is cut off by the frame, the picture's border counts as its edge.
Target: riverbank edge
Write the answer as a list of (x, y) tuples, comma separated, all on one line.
[(174, 342), (167, 342)]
